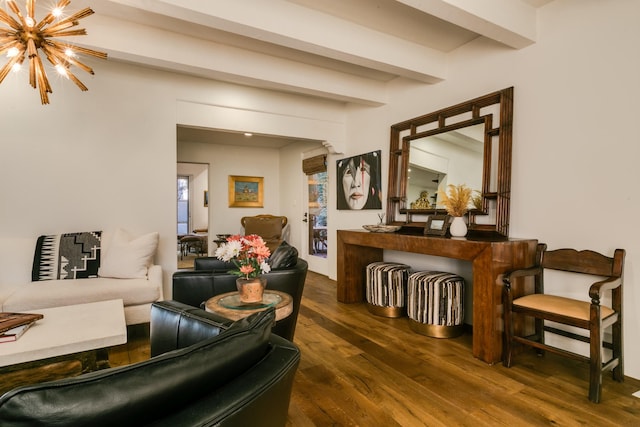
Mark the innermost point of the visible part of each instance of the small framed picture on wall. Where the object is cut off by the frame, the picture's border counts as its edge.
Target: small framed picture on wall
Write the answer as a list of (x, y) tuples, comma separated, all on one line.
[(246, 191)]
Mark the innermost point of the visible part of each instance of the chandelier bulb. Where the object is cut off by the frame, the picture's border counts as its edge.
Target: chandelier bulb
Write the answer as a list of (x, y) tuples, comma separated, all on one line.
[(61, 69)]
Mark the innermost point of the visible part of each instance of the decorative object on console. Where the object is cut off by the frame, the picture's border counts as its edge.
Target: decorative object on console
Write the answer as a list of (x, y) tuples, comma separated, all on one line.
[(476, 200), (422, 202), (456, 201), (249, 254), (382, 228), (67, 256), (26, 36), (437, 225), (458, 227), (128, 257)]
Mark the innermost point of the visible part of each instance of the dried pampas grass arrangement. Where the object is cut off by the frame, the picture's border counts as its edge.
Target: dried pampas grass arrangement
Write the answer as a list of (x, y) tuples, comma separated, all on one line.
[(456, 202), (476, 200)]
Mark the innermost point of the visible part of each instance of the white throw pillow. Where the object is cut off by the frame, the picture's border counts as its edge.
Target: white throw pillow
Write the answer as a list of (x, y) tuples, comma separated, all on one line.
[(127, 257)]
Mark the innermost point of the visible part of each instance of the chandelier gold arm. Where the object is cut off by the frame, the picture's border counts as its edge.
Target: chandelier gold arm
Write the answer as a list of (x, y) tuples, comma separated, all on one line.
[(31, 8), (78, 32), (57, 57), (14, 8), (78, 49), (9, 65), (7, 19), (43, 81)]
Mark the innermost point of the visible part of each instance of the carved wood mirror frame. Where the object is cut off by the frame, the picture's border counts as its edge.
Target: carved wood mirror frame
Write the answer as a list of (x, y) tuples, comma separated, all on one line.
[(495, 110)]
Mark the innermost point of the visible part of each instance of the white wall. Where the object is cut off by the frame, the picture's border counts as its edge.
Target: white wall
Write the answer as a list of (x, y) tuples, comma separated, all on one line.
[(283, 182), (104, 159), (229, 160), (89, 161)]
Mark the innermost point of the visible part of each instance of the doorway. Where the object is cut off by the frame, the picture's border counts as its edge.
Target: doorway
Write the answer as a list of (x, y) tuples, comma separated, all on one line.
[(315, 243), (192, 212)]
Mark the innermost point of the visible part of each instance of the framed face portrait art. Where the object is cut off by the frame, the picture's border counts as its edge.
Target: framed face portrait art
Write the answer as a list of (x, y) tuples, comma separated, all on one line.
[(359, 182)]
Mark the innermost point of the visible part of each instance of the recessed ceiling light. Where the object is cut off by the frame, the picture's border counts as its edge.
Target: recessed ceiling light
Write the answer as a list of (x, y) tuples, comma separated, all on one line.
[(248, 134)]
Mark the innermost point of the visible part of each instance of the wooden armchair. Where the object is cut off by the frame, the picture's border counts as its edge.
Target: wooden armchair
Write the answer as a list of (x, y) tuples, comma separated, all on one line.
[(591, 316), (270, 227)]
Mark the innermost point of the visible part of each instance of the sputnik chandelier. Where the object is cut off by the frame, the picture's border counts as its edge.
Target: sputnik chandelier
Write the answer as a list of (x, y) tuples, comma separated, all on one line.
[(25, 37)]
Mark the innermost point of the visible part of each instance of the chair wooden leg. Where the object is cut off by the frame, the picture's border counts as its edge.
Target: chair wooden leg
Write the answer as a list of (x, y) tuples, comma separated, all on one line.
[(539, 327), (507, 345), (618, 371), (595, 364)]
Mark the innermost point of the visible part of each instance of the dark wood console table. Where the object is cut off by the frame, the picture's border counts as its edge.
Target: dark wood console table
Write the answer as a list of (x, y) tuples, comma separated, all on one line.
[(490, 259)]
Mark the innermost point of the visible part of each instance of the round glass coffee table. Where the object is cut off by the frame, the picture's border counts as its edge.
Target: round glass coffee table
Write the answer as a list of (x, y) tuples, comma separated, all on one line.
[(228, 305)]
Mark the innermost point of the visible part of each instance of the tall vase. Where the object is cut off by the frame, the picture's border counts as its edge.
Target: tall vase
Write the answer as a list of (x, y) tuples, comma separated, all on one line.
[(458, 227), (251, 290)]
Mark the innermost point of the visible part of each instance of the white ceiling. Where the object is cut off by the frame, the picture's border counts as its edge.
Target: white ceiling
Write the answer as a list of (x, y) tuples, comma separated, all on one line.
[(340, 50), (211, 136)]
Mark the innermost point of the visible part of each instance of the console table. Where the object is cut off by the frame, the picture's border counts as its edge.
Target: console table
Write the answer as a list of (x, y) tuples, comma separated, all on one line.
[(490, 257)]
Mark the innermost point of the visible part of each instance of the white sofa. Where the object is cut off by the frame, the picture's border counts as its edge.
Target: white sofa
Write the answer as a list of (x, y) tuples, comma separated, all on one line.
[(19, 293)]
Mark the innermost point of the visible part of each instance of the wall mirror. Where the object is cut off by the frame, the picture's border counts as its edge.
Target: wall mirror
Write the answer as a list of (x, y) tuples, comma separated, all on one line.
[(468, 143)]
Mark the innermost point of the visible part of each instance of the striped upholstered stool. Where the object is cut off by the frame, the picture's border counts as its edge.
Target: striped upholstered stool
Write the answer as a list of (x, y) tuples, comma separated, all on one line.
[(387, 288), (434, 303)]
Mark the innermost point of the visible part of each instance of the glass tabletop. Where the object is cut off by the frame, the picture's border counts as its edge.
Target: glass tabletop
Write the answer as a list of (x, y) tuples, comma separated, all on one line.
[(233, 302)]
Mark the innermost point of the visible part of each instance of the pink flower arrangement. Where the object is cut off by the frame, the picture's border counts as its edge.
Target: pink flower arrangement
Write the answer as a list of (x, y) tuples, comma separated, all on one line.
[(248, 253)]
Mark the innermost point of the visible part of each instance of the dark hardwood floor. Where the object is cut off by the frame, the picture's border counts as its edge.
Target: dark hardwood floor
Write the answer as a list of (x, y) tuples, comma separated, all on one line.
[(361, 370)]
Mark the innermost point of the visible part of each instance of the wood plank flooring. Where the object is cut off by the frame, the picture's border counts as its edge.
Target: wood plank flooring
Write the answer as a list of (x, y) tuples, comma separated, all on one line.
[(361, 370)]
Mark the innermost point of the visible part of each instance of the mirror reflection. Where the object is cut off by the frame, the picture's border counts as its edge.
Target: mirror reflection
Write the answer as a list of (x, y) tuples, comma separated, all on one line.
[(453, 157)]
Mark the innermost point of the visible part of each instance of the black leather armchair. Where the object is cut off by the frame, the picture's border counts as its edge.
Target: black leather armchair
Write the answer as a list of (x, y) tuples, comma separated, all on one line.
[(204, 370), (210, 278)]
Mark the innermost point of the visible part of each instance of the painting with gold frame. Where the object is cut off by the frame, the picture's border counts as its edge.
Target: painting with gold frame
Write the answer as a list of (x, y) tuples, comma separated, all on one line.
[(246, 191)]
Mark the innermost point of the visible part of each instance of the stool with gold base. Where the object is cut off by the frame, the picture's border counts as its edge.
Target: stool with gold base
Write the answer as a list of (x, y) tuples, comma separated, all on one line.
[(386, 288), (435, 303)]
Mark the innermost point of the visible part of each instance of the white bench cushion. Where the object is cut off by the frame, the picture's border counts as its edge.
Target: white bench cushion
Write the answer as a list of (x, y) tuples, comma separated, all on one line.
[(56, 293)]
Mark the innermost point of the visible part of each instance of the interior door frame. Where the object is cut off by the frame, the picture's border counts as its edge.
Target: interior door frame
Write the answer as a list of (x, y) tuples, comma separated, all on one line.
[(317, 264)]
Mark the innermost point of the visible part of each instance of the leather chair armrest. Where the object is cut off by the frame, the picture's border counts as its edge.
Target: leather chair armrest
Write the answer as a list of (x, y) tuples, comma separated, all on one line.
[(259, 397), (212, 264), (192, 287), (175, 325)]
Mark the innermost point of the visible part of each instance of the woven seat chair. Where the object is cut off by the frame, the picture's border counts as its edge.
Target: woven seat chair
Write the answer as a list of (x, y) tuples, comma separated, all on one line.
[(589, 314), (271, 228)]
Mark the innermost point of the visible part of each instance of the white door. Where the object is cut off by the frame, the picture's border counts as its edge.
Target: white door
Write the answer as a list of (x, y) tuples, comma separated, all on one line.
[(314, 246)]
